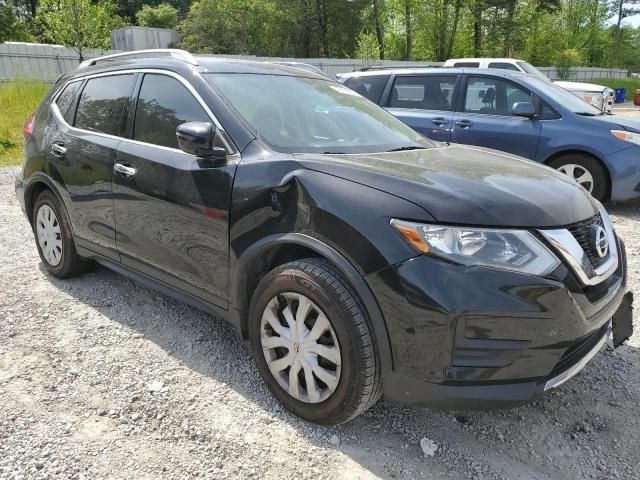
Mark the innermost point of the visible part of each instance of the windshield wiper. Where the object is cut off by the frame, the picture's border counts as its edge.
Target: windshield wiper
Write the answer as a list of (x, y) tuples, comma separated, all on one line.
[(407, 147), (588, 114)]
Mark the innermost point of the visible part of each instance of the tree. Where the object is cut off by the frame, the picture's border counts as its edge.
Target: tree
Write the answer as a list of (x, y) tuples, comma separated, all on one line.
[(368, 49), (162, 16), (80, 24), (567, 59)]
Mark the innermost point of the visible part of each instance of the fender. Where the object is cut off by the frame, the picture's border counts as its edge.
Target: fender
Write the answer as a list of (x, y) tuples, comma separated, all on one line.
[(356, 280), (31, 183)]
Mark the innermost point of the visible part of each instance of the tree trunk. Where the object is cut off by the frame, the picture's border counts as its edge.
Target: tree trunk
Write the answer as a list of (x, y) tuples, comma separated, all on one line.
[(322, 23), (511, 11), (619, 22), (454, 28), (408, 26), (477, 28), (304, 33), (379, 27)]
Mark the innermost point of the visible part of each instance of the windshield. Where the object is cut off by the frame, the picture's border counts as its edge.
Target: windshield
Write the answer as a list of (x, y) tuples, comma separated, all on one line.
[(305, 115), (527, 67), (565, 98)]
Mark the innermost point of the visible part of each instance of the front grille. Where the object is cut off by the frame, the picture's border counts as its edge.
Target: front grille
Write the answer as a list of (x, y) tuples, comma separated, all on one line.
[(575, 352), (582, 233)]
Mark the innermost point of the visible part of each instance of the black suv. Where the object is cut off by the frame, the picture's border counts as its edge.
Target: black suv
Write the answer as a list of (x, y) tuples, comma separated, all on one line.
[(359, 258)]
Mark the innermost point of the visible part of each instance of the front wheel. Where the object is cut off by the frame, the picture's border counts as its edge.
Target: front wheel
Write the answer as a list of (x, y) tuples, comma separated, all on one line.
[(312, 342), (586, 171)]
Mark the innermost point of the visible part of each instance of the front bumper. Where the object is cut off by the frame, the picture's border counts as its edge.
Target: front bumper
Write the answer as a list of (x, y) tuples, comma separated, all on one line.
[(624, 170), (479, 338)]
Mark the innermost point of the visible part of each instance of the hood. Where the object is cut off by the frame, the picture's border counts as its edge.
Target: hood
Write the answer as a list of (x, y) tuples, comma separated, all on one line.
[(467, 185), (581, 87), (629, 124)]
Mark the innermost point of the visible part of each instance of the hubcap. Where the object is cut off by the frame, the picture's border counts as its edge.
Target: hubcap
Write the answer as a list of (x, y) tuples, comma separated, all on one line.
[(300, 347), (579, 174), (49, 236)]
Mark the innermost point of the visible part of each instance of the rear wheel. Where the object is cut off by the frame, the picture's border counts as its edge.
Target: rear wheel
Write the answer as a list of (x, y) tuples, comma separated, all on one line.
[(53, 237), (587, 171), (312, 342)]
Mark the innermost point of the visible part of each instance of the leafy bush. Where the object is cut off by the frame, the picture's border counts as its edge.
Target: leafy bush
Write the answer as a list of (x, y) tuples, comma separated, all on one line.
[(162, 16), (567, 59)]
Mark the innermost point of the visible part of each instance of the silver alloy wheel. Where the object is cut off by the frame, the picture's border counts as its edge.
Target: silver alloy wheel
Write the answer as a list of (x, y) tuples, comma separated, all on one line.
[(579, 174), (49, 235), (300, 347)]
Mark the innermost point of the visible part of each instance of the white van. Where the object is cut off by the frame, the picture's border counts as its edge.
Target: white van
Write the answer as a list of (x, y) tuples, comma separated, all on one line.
[(597, 95)]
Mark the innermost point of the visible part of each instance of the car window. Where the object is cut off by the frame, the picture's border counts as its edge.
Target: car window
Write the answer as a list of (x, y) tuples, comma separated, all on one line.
[(428, 92), (163, 104), (467, 64), (504, 66), (66, 101), (369, 86), (103, 102), (492, 96), (307, 115)]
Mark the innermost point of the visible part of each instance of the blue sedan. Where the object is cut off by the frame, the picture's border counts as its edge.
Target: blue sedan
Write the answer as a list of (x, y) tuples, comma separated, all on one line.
[(517, 113)]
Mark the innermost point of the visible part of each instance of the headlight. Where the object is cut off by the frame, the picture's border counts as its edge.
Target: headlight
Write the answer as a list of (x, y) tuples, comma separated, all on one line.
[(627, 136), (516, 250)]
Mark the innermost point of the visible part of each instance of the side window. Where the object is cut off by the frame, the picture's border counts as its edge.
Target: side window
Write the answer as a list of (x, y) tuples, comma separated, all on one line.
[(492, 96), (66, 101), (504, 66), (103, 103), (467, 64), (369, 86), (427, 92), (163, 104)]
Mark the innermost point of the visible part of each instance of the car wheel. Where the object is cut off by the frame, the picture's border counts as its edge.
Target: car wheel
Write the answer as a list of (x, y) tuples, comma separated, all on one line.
[(53, 238), (587, 171), (312, 342)]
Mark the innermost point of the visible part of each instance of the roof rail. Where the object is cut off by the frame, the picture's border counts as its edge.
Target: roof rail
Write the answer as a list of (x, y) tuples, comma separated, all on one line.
[(182, 55)]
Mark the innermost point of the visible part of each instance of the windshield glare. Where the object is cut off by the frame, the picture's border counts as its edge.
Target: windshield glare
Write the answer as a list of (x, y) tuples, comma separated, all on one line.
[(565, 98), (306, 115)]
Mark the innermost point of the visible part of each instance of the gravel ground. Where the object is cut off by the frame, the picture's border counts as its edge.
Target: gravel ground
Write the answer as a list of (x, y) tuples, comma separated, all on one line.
[(101, 377)]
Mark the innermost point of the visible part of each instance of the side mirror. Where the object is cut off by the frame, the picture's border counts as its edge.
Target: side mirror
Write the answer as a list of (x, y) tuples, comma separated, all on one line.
[(523, 109), (199, 139)]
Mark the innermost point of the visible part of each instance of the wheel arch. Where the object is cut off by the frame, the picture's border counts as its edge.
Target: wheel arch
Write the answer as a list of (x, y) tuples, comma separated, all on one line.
[(275, 250), (562, 153), (34, 188)]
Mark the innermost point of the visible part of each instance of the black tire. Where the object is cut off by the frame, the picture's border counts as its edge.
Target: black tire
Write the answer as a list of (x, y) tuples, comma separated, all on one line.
[(360, 385), (594, 167), (71, 264)]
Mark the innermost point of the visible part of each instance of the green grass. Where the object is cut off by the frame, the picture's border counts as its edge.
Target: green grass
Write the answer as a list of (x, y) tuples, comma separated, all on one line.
[(631, 84), (18, 100)]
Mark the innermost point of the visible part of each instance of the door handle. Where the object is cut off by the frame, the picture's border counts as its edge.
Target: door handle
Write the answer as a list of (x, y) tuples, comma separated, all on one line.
[(58, 149), (439, 121), (464, 123), (124, 170)]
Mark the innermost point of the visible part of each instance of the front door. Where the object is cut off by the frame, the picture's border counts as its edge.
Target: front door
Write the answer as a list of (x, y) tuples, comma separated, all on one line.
[(425, 103), (485, 119), (172, 209)]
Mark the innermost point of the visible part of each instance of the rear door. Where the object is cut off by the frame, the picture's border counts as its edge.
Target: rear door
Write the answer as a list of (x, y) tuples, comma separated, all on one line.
[(90, 114), (425, 103), (172, 208), (484, 117)]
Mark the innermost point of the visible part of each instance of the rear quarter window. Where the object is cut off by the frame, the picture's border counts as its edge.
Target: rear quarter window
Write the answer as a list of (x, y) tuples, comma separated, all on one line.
[(66, 101), (467, 64), (504, 66), (103, 103), (369, 86)]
